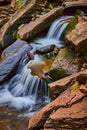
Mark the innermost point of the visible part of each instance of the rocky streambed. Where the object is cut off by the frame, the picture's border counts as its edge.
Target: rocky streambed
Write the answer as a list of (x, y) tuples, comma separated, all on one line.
[(64, 69)]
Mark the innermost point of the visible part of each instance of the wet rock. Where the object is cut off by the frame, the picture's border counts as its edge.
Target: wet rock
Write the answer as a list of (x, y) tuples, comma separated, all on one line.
[(10, 59), (67, 62), (83, 89), (4, 2), (3, 21), (57, 87), (78, 36), (31, 29), (13, 3), (66, 99), (1, 49), (82, 78), (75, 6), (8, 31), (45, 49), (73, 117)]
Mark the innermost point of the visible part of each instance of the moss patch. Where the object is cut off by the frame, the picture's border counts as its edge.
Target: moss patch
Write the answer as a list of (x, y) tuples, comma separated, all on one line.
[(76, 86), (58, 74), (72, 24)]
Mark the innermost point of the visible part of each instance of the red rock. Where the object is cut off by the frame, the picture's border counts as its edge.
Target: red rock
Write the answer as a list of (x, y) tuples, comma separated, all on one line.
[(67, 98), (84, 90), (78, 36), (31, 29)]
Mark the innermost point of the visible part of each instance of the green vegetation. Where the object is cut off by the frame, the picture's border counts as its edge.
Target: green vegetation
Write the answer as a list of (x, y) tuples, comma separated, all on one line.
[(19, 4), (58, 73), (52, 5), (17, 36), (78, 12), (72, 24), (76, 86)]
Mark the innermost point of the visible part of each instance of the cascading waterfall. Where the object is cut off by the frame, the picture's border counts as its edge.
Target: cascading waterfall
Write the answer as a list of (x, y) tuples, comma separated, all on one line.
[(25, 90), (56, 32)]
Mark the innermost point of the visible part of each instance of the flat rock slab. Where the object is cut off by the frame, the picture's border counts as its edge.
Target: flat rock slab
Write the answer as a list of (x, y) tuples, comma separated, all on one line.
[(66, 99), (73, 117), (39, 24), (11, 57)]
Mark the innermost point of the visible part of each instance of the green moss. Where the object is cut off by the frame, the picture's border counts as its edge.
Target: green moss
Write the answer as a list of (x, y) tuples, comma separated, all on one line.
[(19, 4), (75, 86), (52, 5), (68, 52), (17, 36), (58, 73), (78, 12), (72, 24)]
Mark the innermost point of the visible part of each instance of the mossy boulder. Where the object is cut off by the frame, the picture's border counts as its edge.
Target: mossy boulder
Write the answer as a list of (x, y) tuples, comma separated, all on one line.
[(67, 62)]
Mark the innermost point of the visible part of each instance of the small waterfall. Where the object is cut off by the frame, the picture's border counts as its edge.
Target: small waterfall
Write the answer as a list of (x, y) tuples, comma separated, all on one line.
[(55, 33), (24, 90)]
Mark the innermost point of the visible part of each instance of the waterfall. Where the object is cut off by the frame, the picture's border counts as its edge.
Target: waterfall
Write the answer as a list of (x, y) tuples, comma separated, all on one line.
[(24, 90), (55, 33)]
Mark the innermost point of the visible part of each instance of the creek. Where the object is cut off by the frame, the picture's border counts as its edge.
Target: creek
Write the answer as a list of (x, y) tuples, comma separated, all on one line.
[(27, 92)]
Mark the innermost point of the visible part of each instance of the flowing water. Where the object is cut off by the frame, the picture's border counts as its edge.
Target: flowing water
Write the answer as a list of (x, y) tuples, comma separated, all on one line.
[(25, 94)]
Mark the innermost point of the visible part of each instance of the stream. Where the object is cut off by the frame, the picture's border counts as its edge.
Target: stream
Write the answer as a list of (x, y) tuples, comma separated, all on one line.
[(27, 91)]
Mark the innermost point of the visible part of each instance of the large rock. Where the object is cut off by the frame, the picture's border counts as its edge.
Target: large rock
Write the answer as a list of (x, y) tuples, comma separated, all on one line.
[(65, 100), (34, 27), (78, 36), (71, 7), (67, 62), (73, 117), (61, 85), (11, 57), (8, 31)]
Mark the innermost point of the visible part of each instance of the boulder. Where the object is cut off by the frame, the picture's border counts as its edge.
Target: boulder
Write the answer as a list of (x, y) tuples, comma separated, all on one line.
[(10, 59), (78, 36), (74, 6), (66, 99), (73, 117), (31, 29), (8, 31), (67, 62), (61, 85)]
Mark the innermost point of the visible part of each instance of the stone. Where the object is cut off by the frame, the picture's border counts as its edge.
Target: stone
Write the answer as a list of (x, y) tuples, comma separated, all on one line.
[(1, 49), (72, 7), (78, 36), (45, 49), (3, 21), (9, 30), (13, 3), (4, 2), (61, 85), (73, 117), (83, 89), (66, 99), (10, 59), (31, 29), (82, 78), (67, 62)]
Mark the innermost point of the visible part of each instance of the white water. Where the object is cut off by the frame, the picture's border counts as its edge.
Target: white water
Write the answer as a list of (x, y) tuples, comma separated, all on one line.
[(25, 91), (55, 34)]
